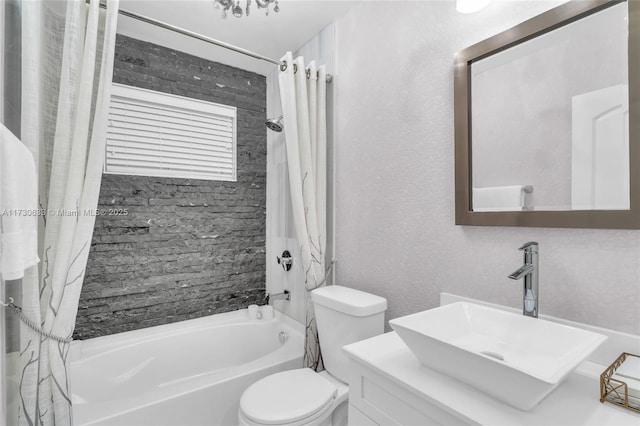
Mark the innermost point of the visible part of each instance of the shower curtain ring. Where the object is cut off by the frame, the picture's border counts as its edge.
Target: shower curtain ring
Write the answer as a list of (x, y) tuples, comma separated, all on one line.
[(307, 71), (295, 68), (283, 66)]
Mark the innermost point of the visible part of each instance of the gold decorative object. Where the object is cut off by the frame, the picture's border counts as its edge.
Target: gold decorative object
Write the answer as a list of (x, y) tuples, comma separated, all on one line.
[(620, 384)]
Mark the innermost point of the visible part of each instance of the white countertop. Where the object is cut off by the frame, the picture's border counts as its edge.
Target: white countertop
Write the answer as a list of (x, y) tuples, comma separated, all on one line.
[(574, 402)]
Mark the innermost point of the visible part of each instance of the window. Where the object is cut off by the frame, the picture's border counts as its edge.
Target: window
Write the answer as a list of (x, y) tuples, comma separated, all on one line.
[(156, 134)]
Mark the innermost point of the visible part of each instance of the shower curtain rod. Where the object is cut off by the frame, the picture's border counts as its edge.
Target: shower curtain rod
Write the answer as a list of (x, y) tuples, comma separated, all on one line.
[(201, 37)]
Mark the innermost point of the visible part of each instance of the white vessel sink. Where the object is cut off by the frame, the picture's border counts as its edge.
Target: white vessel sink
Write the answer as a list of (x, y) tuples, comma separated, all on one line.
[(514, 358)]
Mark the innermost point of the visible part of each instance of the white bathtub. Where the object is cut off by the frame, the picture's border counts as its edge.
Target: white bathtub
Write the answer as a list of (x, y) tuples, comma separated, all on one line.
[(187, 373)]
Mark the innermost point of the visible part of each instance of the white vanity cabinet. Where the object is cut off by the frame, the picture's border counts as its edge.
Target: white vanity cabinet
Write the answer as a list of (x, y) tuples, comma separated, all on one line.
[(376, 399), (388, 386)]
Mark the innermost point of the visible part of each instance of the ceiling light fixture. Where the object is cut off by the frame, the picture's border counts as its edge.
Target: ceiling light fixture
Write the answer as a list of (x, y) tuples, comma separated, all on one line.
[(470, 6), (237, 9)]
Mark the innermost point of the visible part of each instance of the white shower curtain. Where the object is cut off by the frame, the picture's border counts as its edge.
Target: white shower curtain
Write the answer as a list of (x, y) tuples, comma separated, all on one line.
[(303, 98), (67, 65)]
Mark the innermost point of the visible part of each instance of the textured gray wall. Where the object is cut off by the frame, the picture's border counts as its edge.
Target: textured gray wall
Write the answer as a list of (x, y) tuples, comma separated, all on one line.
[(11, 104), (395, 230), (12, 80), (187, 248)]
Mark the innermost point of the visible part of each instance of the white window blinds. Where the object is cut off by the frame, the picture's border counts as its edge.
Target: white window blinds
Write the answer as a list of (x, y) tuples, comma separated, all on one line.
[(158, 134)]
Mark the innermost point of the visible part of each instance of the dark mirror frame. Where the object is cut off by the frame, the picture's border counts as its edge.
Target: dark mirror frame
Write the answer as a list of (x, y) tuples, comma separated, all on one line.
[(541, 24)]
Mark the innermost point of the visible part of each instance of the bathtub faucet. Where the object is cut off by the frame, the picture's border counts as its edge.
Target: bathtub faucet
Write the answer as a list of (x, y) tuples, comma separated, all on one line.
[(285, 295)]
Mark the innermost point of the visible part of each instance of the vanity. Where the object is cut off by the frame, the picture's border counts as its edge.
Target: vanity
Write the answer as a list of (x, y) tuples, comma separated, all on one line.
[(389, 386)]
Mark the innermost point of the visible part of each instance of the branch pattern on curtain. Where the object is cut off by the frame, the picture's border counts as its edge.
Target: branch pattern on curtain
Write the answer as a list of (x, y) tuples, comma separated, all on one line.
[(71, 159), (303, 98)]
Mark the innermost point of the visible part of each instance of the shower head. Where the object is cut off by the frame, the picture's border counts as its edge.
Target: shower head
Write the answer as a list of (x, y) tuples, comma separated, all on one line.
[(275, 124)]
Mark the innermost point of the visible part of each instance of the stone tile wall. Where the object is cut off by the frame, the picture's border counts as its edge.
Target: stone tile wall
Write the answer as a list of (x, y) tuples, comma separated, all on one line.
[(186, 248)]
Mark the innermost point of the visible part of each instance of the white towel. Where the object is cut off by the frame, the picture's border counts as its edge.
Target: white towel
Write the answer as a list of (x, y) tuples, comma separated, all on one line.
[(18, 207), (502, 198), (630, 369), (633, 385), (629, 372)]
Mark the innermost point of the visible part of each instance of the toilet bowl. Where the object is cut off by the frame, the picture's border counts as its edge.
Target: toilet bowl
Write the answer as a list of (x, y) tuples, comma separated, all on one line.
[(302, 396), (294, 398)]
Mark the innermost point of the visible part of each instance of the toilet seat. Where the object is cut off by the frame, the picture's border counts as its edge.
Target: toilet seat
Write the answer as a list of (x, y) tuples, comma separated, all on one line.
[(288, 398)]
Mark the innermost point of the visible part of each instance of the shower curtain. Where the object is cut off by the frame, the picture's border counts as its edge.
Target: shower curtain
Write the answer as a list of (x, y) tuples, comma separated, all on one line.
[(67, 65), (303, 98)]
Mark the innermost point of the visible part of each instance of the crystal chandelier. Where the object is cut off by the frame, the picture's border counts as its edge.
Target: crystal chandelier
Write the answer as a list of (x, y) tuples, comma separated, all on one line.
[(236, 9)]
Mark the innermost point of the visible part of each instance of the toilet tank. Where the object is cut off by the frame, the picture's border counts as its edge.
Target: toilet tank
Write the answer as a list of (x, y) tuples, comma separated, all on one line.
[(343, 316)]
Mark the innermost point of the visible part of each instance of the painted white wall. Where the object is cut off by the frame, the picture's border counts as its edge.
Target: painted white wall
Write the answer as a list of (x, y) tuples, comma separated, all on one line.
[(280, 228), (395, 232)]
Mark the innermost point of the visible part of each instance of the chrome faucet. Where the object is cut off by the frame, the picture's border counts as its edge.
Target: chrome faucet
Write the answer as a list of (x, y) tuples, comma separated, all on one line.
[(530, 273), (285, 295)]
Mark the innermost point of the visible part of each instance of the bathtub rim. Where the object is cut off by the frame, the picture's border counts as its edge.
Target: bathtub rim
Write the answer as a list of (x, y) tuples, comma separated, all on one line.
[(102, 343)]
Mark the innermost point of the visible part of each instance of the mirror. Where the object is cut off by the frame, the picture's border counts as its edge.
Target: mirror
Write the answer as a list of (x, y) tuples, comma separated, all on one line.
[(547, 119)]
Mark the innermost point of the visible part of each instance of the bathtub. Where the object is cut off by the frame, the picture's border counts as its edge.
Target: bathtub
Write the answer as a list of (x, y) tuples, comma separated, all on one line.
[(187, 373)]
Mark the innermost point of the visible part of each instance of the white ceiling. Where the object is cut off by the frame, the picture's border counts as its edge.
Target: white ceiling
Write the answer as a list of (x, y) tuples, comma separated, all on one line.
[(296, 23)]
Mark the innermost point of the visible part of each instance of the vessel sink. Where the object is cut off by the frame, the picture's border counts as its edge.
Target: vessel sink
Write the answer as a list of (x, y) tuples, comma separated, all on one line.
[(516, 359)]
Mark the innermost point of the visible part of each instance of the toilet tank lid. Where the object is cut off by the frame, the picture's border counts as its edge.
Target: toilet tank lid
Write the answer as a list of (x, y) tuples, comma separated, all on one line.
[(349, 300)]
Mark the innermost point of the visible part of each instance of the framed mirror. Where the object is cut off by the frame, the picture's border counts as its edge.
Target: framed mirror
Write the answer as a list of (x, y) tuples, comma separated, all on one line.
[(547, 121)]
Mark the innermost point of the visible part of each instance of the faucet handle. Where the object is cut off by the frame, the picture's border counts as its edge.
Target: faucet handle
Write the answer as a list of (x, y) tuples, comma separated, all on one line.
[(530, 246)]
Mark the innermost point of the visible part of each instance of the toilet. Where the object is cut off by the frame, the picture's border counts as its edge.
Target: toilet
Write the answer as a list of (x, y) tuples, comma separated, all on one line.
[(302, 396)]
